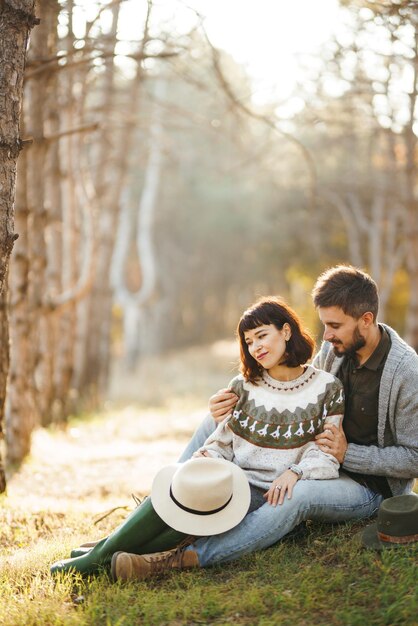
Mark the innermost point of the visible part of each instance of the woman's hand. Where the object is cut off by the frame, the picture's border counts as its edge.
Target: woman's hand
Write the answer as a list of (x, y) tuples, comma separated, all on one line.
[(284, 483), (200, 453), (221, 404)]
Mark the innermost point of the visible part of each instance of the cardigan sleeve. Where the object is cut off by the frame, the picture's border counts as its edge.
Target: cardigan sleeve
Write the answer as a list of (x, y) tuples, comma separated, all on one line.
[(398, 459)]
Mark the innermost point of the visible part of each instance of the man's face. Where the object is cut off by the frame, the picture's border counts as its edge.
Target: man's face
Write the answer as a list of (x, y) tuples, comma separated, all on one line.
[(343, 331)]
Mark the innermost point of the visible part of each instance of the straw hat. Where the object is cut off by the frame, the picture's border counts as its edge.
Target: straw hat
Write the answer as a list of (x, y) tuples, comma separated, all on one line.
[(204, 496), (396, 525)]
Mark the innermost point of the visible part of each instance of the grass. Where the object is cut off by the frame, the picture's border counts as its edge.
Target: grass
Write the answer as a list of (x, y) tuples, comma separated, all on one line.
[(324, 578), (75, 475)]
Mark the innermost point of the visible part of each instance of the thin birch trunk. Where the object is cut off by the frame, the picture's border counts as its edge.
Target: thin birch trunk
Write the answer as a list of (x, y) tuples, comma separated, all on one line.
[(35, 111), (48, 331), (67, 322), (133, 304), (92, 374), (53, 270)]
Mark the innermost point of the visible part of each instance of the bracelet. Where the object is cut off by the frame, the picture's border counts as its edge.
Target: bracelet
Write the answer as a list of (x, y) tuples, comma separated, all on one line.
[(296, 470)]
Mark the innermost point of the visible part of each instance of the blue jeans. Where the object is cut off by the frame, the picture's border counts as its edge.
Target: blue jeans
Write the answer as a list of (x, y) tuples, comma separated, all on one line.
[(336, 500)]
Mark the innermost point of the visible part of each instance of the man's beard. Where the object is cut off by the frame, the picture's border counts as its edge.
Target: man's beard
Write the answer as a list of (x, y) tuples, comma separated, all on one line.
[(357, 342)]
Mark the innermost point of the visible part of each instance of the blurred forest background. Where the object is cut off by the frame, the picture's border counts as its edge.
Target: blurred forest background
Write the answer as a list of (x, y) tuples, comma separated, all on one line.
[(155, 198)]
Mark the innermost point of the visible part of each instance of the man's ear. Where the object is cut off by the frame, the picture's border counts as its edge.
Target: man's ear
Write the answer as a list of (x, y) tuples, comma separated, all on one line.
[(368, 319)]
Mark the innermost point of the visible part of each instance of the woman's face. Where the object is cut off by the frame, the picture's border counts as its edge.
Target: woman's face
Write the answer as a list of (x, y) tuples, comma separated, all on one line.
[(267, 344)]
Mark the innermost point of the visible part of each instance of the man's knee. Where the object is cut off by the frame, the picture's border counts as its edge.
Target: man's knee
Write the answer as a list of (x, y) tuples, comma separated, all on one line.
[(295, 506), (306, 494)]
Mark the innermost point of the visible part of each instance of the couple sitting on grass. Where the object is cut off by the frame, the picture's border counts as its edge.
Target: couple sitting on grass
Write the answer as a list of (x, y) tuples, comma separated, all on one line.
[(275, 450)]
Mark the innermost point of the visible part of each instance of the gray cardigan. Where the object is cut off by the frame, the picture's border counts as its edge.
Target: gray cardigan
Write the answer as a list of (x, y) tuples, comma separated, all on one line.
[(396, 455)]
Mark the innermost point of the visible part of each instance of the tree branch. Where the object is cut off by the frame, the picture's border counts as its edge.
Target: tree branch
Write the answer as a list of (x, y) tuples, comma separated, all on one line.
[(266, 120)]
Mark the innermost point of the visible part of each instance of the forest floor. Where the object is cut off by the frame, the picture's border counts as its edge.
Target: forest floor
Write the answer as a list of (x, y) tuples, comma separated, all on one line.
[(76, 485)]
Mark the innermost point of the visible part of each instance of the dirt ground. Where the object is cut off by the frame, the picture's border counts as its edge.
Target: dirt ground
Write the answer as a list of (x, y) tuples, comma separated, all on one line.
[(97, 462), (111, 457)]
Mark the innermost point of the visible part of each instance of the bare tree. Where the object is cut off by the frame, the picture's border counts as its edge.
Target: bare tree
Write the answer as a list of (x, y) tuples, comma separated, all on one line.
[(111, 179), (4, 366), (16, 20), (139, 225)]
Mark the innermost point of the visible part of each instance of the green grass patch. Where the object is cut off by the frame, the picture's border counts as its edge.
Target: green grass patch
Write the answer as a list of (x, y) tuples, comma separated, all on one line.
[(326, 578)]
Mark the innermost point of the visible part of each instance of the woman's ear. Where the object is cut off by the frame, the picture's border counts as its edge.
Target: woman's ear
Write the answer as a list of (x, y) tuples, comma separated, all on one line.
[(287, 331)]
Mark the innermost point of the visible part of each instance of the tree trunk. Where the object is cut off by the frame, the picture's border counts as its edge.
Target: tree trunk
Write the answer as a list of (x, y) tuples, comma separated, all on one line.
[(141, 221), (64, 362), (4, 368), (36, 107), (94, 334), (16, 20), (20, 406)]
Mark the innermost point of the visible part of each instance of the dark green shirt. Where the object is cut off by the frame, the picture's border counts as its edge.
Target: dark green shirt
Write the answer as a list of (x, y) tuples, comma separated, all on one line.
[(361, 386)]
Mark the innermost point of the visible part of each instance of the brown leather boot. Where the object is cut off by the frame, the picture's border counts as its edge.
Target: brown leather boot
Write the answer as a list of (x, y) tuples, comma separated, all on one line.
[(126, 566)]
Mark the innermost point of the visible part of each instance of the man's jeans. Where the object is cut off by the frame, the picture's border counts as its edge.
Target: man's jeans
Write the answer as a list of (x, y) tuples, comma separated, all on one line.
[(336, 500)]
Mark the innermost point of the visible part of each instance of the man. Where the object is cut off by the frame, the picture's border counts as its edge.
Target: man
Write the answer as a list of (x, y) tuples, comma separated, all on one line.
[(377, 444)]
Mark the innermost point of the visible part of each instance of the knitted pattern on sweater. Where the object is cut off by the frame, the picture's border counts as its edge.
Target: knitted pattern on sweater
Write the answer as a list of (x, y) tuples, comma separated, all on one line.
[(274, 425)]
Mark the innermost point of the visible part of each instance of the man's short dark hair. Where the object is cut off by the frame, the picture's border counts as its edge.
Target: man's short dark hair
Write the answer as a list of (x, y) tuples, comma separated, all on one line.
[(349, 288)]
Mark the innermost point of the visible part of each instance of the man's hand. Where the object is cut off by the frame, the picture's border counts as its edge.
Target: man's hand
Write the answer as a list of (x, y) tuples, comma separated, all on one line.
[(333, 441), (221, 404), (284, 483)]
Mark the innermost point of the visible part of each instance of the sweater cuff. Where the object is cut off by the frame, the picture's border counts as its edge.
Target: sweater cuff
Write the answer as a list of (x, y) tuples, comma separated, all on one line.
[(354, 458)]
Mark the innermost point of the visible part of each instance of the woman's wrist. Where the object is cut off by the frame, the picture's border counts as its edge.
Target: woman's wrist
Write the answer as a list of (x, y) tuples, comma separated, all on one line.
[(296, 470)]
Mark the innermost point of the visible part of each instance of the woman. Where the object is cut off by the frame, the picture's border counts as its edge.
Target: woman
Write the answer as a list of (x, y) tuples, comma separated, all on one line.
[(283, 403)]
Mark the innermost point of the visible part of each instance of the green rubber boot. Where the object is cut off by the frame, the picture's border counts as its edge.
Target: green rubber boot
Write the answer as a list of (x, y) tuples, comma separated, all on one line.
[(85, 548), (167, 537), (142, 532)]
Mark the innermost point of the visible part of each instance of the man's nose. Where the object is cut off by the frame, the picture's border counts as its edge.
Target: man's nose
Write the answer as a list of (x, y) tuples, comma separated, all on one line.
[(328, 335)]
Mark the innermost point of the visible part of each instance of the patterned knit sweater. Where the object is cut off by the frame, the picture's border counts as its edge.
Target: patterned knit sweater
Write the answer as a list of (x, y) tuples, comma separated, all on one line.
[(274, 425)]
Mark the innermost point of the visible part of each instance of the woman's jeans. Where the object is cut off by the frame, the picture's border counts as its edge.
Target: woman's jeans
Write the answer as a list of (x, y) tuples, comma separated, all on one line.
[(336, 500)]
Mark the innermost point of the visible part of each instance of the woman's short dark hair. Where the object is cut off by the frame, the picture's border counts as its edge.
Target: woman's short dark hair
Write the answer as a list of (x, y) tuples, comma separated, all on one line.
[(348, 288), (273, 310)]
